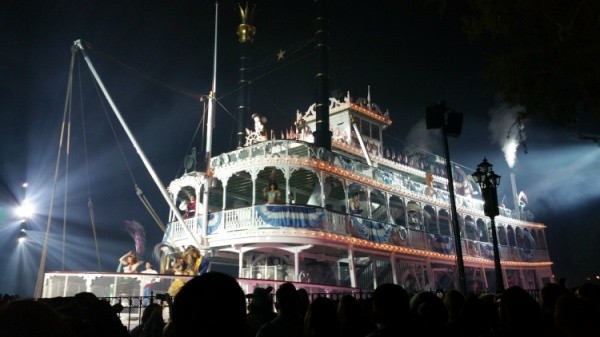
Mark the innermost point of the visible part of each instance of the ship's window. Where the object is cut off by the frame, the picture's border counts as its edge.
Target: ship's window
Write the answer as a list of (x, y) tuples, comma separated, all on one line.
[(184, 197), (511, 236), (444, 220), (357, 202), (482, 231), (335, 196), (375, 132), (215, 197), (413, 212), (397, 211), (239, 190), (365, 128), (501, 231), (379, 210), (430, 220), (264, 179), (302, 186), (471, 228)]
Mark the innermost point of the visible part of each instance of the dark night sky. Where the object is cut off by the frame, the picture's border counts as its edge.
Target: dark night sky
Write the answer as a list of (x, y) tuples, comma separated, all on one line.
[(155, 58)]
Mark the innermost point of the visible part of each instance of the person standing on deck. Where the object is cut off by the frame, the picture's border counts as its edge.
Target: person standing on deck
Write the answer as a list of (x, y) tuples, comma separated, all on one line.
[(272, 193), (130, 263)]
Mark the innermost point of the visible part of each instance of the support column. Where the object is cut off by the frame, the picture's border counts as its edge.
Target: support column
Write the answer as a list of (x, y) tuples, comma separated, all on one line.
[(351, 267), (394, 268), (241, 263), (296, 266), (485, 281), (374, 270), (430, 275)]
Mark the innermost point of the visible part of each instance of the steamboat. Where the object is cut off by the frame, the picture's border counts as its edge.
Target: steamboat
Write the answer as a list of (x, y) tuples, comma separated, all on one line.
[(325, 204)]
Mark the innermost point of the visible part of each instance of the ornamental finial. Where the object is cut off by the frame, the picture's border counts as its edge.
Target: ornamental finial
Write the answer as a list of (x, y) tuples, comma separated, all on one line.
[(246, 30)]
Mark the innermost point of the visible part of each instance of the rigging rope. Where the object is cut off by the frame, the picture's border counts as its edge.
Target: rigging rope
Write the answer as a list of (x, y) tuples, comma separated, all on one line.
[(67, 156), (90, 203), (138, 191), (42, 268)]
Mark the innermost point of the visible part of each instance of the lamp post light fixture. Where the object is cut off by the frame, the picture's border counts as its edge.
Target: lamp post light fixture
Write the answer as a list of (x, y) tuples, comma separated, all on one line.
[(489, 181)]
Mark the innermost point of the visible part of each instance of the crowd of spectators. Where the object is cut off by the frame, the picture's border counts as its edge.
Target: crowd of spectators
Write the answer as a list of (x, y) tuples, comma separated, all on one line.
[(213, 304)]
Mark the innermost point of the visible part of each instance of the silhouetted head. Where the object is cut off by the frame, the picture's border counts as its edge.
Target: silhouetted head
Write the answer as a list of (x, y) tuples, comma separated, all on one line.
[(209, 305), (390, 303), (287, 298)]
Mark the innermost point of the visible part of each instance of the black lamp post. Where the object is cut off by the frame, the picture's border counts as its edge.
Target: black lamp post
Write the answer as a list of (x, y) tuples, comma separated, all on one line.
[(439, 116), (489, 181)]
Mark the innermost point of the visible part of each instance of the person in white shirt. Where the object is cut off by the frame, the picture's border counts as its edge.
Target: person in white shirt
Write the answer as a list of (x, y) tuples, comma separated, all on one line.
[(149, 269), (148, 285)]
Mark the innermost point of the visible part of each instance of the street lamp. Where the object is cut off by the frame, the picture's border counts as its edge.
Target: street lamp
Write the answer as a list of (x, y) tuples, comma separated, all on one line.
[(489, 181), (439, 116)]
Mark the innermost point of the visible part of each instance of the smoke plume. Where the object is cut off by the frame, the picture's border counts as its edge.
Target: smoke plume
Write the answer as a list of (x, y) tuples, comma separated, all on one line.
[(419, 138), (507, 130)]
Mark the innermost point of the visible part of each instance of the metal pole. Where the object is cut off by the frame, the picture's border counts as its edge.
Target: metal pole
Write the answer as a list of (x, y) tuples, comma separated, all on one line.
[(497, 265), (460, 265), (138, 148), (209, 133)]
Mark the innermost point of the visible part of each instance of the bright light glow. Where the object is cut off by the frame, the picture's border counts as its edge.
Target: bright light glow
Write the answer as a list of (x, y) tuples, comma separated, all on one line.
[(26, 210), (25, 185)]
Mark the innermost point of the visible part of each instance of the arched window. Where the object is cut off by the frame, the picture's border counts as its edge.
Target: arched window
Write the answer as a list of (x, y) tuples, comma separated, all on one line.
[(335, 196), (444, 219), (239, 190), (379, 210), (303, 183), (397, 210), (501, 231), (415, 217), (430, 220), (510, 233), (471, 228), (482, 230)]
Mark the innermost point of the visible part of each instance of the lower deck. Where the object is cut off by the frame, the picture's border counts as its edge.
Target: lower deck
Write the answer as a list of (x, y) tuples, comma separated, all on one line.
[(319, 246)]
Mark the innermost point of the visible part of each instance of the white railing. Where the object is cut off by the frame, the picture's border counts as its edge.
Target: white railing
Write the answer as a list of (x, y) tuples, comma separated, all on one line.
[(248, 218), (113, 285)]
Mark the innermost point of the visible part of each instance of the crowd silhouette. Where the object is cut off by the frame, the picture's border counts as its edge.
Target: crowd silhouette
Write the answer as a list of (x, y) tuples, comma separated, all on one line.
[(213, 304)]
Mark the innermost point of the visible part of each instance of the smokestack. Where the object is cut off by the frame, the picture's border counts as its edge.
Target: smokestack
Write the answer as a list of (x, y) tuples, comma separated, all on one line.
[(246, 32), (515, 195), (322, 133)]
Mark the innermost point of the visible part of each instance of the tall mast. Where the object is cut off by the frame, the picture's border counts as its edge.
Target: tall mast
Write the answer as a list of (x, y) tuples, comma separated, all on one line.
[(246, 32), (322, 134), (209, 131)]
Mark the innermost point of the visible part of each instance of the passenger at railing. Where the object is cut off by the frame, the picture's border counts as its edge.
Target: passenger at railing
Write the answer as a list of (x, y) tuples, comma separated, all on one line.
[(148, 285), (272, 193), (191, 208), (355, 208), (129, 262)]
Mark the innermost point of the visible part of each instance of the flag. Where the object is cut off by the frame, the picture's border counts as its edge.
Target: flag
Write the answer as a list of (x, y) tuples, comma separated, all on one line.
[(138, 234)]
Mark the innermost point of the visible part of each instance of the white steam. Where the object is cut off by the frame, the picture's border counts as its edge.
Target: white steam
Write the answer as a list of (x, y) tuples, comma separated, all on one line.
[(507, 130), (418, 137)]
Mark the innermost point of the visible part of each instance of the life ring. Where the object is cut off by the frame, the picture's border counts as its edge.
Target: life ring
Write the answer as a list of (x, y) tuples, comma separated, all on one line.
[(403, 233)]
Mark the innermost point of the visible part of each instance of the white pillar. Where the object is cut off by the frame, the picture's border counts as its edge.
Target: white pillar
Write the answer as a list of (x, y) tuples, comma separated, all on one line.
[(394, 268), (351, 267)]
